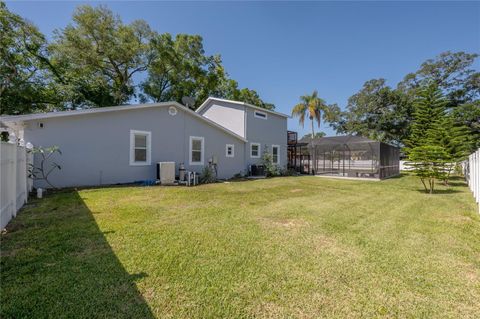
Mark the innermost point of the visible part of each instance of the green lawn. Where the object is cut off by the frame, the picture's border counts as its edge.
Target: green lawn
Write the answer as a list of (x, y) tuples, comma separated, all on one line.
[(296, 247)]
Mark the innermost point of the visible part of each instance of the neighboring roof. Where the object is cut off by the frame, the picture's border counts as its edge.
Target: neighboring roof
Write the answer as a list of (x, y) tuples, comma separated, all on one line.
[(204, 104), (340, 140), (345, 139), (4, 120)]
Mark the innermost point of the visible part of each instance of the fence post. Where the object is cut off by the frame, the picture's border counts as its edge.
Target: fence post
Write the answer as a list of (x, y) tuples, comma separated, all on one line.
[(14, 183), (477, 173), (473, 175)]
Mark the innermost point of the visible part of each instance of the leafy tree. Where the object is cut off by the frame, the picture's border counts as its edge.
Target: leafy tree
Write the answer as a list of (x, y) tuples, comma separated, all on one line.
[(452, 72), (311, 106), (380, 112), (180, 68), (429, 162), (377, 112), (98, 56), (95, 60), (317, 135), (24, 71)]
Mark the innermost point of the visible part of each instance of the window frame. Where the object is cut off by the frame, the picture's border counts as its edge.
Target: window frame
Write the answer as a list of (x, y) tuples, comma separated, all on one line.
[(190, 150), (263, 115), (148, 148), (233, 150), (278, 154), (259, 150)]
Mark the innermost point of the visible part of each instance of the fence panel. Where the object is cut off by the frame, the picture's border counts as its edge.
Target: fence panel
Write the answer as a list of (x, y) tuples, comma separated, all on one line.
[(14, 181), (472, 173)]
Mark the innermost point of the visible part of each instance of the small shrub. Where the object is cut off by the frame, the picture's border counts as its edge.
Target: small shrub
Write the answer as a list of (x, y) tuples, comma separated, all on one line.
[(288, 172), (46, 165), (238, 175), (208, 175), (267, 162)]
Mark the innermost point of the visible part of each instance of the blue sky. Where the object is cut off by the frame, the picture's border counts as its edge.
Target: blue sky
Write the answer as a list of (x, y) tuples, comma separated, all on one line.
[(287, 49)]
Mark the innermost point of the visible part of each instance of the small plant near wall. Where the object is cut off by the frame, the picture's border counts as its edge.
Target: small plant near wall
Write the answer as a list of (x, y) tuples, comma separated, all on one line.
[(208, 175), (4, 136), (271, 169), (45, 166)]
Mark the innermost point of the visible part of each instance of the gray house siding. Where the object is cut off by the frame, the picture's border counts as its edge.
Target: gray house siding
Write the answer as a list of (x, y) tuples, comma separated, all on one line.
[(96, 147), (267, 132), (229, 115)]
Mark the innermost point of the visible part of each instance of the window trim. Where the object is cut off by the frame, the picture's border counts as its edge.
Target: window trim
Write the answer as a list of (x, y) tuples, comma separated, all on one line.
[(148, 148), (278, 154), (190, 151), (264, 115), (259, 150), (233, 150)]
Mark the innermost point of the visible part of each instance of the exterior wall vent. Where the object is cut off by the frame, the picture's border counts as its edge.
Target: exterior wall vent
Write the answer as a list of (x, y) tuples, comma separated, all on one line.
[(172, 110)]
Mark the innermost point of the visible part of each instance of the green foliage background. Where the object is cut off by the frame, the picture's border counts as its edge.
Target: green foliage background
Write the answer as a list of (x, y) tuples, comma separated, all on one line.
[(95, 62)]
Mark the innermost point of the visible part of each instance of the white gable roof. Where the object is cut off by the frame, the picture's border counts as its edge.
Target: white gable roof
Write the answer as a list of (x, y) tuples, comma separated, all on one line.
[(15, 119), (204, 104)]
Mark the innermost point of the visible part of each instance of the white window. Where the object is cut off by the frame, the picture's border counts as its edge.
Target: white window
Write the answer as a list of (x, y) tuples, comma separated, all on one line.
[(276, 154), (260, 115), (140, 147), (196, 150), (230, 150), (254, 150)]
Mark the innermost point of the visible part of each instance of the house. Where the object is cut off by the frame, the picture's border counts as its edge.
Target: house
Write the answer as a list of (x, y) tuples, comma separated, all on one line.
[(122, 144), (264, 130)]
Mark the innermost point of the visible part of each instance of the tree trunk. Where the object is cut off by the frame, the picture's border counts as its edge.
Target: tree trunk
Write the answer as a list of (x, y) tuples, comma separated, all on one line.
[(313, 127), (424, 185), (314, 161)]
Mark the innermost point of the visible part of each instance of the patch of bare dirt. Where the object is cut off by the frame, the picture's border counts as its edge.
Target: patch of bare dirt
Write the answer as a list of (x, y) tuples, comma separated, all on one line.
[(296, 190), (288, 223)]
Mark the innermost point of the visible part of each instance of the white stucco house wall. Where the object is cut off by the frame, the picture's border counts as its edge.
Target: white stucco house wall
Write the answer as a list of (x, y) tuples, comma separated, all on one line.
[(122, 144)]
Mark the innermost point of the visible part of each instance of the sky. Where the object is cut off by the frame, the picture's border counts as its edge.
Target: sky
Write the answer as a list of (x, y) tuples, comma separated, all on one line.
[(287, 49)]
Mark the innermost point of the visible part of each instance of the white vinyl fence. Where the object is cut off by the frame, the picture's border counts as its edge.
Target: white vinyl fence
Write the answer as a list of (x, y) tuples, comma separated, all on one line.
[(472, 173), (15, 184)]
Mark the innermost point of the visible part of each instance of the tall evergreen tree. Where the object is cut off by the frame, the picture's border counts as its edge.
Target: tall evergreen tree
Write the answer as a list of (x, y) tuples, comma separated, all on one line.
[(437, 140), (429, 113)]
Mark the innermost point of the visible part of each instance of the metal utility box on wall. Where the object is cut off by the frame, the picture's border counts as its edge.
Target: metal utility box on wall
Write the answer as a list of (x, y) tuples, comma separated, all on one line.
[(166, 172)]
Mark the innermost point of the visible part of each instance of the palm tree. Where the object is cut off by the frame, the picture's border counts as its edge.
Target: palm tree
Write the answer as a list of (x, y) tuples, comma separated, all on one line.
[(311, 106)]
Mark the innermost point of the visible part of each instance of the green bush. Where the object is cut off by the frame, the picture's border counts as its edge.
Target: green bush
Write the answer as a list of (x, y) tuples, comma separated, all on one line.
[(208, 175), (267, 162)]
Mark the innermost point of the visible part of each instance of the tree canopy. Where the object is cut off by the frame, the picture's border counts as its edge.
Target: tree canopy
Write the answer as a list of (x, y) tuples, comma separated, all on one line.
[(312, 107), (381, 112), (97, 60), (25, 76)]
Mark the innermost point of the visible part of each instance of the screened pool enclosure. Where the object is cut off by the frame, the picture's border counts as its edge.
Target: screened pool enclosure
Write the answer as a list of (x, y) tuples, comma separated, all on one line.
[(344, 156)]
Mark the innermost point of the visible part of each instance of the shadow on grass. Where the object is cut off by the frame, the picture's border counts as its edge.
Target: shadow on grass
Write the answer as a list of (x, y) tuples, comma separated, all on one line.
[(57, 263), (440, 191)]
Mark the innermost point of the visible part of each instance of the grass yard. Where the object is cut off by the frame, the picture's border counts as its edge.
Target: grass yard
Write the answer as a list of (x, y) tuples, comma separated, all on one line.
[(296, 247)]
